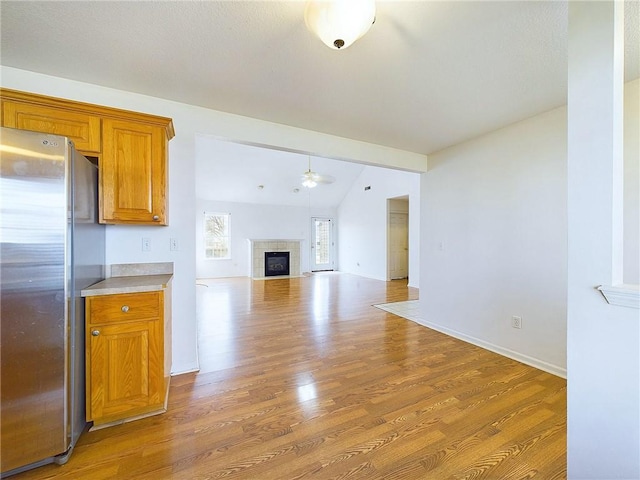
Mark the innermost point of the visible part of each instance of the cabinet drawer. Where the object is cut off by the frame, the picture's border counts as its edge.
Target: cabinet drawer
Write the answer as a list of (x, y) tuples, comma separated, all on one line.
[(83, 129), (123, 307)]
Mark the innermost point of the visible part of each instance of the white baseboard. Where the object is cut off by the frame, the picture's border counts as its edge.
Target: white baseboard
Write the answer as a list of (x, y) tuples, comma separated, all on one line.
[(186, 368), (531, 361)]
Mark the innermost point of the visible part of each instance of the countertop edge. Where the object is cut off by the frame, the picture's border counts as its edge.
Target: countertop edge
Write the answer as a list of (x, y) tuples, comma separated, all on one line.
[(128, 284)]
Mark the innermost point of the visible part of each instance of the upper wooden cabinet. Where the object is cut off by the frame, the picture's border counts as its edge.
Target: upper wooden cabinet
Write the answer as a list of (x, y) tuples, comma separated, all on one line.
[(83, 129), (132, 149), (134, 160)]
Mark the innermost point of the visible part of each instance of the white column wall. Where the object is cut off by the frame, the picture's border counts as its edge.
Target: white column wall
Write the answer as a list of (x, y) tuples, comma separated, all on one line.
[(603, 436)]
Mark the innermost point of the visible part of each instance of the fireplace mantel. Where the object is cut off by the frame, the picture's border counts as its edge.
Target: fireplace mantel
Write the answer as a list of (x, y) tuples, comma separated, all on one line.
[(258, 247)]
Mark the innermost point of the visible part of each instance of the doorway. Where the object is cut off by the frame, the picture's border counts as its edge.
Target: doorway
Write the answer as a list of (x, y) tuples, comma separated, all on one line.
[(398, 238), (321, 244)]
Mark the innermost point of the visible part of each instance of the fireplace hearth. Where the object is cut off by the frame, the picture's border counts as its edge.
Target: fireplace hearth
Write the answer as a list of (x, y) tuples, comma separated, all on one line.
[(276, 263)]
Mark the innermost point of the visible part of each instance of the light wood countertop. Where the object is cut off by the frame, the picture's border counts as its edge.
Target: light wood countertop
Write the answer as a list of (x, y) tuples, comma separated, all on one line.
[(128, 284)]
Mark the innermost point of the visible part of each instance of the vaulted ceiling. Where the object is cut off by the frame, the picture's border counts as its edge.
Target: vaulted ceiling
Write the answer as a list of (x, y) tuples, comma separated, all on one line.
[(232, 172)]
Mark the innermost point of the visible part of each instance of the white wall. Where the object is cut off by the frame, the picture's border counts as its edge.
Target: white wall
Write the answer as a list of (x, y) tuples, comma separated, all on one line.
[(494, 235), (251, 221), (124, 242), (362, 221), (494, 244), (496, 205)]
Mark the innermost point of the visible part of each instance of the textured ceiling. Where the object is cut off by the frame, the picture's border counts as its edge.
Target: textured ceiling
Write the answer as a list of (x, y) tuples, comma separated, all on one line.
[(428, 74)]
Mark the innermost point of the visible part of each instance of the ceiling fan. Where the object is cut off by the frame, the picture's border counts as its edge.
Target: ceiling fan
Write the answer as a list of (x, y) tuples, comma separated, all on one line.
[(310, 178)]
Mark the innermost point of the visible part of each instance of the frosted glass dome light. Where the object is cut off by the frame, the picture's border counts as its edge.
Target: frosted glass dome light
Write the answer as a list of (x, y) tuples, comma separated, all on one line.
[(339, 23)]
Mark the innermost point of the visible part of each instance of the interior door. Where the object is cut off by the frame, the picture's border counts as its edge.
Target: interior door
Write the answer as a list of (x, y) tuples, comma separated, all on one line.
[(321, 244), (398, 245)]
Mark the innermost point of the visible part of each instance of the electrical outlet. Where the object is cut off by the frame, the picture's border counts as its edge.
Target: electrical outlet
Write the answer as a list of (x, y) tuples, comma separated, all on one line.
[(146, 244), (173, 244), (516, 322)]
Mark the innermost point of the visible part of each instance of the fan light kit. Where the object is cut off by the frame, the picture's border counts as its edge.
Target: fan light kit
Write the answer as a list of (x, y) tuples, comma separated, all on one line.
[(339, 23), (308, 181), (311, 179)]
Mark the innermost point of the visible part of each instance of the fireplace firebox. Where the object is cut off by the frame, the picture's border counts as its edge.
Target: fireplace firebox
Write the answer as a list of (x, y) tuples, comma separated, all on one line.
[(276, 263)]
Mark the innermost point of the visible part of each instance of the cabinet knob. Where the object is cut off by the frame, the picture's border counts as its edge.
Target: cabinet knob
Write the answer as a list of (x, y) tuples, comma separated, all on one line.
[(125, 308), (95, 333), (156, 218)]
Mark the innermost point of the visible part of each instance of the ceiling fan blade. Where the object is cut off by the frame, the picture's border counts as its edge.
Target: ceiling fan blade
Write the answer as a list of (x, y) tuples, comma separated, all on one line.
[(310, 178), (326, 179), (316, 177)]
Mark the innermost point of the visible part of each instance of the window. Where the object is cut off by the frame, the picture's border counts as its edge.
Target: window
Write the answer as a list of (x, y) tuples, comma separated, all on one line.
[(217, 235)]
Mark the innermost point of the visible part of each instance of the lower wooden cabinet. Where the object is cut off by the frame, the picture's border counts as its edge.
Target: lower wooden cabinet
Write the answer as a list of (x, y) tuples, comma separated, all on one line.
[(126, 368)]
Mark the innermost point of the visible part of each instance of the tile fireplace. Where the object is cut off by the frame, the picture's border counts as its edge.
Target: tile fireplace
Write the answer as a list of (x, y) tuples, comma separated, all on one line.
[(258, 248)]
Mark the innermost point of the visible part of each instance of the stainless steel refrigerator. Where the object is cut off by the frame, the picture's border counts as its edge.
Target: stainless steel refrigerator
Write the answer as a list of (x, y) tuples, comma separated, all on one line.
[(51, 246)]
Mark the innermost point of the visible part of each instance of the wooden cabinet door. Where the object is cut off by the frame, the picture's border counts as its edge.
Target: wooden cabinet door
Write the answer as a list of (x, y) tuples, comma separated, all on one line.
[(125, 370), (133, 173), (83, 129)]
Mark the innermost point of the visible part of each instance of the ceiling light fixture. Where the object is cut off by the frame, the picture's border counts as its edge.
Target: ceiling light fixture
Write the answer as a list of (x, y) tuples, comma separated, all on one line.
[(309, 177), (309, 181), (339, 23)]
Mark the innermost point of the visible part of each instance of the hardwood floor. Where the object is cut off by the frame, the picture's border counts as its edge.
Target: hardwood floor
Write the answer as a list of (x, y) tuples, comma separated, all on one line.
[(303, 379)]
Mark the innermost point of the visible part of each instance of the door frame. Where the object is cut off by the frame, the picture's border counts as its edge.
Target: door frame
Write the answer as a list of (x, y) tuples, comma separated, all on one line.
[(392, 207), (313, 267)]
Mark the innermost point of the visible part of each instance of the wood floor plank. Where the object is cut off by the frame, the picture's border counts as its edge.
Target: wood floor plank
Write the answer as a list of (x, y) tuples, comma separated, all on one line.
[(303, 378)]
